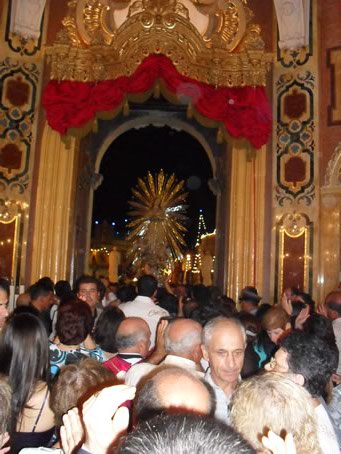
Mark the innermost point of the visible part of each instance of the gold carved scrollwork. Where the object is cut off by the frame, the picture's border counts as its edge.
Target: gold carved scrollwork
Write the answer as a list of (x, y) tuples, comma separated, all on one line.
[(96, 46)]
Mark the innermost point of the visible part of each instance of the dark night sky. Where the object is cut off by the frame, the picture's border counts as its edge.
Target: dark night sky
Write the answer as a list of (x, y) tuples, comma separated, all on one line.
[(135, 153)]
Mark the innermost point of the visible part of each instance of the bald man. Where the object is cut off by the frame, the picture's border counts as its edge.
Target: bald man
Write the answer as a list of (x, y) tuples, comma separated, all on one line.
[(224, 343), (173, 388), (133, 344), (183, 348)]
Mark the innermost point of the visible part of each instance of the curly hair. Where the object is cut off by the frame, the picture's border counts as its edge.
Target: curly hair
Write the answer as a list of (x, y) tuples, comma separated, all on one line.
[(75, 382), (313, 358), (274, 402), (74, 322)]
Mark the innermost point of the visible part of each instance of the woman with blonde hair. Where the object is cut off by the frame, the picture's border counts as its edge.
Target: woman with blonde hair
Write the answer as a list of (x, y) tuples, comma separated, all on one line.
[(273, 402)]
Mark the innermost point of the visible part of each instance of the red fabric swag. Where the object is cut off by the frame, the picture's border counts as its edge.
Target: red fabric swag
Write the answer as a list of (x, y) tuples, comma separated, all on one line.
[(245, 111)]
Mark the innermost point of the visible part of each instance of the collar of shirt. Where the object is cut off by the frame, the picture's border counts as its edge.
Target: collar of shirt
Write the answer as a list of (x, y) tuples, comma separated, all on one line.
[(174, 360), (337, 322), (131, 358), (143, 299)]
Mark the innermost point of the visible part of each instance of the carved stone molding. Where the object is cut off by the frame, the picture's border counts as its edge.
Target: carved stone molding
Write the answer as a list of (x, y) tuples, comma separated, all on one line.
[(91, 47), (333, 172)]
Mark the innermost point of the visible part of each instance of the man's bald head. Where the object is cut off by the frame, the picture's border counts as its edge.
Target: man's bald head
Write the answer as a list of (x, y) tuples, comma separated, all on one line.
[(133, 336), (173, 389), (183, 338), (333, 304)]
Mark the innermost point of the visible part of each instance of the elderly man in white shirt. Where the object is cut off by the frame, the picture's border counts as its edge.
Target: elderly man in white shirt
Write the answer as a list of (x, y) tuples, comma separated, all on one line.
[(224, 343), (183, 347), (144, 305)]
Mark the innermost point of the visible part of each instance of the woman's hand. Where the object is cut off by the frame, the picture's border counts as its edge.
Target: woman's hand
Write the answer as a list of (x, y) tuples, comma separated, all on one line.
[(286, 304), (105, 421), (159, 353), (302, 318), (4, 438), (71, 432), (277, 445)]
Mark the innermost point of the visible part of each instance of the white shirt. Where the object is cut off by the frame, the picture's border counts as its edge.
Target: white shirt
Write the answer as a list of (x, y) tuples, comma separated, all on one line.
[(337, 332), (137, 372), (325, 432), (144, 307), (222, 411)]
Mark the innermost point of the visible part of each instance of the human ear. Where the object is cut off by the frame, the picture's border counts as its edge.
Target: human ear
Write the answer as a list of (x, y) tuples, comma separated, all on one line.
[(299, 379), (204, 352)]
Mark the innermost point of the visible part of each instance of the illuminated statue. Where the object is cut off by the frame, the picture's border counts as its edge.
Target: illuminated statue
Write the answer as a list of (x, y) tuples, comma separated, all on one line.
[(157, 229)]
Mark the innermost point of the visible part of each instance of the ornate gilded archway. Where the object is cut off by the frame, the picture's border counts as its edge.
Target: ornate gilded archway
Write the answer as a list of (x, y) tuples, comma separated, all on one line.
[(207, 56)]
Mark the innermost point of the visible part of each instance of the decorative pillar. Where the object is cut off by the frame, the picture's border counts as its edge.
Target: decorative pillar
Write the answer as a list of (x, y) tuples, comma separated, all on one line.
[(246, 221), (295, 169), (330, 227), (54, 207)]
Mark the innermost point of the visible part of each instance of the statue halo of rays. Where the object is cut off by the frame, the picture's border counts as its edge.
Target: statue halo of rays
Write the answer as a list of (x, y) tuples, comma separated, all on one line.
[(158, 221)]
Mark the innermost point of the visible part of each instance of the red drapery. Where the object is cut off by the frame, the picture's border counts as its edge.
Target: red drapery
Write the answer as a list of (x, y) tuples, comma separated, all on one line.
[(245, 111)]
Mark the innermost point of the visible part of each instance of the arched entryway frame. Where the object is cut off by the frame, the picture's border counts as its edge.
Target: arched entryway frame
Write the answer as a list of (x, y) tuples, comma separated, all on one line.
[(96, 71), (95, 146)]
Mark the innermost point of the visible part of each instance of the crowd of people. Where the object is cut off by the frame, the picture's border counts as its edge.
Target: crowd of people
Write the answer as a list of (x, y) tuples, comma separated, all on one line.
[(108, 368)]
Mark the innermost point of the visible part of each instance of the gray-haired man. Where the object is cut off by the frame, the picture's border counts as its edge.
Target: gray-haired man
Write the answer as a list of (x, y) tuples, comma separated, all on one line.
[(224, 343)]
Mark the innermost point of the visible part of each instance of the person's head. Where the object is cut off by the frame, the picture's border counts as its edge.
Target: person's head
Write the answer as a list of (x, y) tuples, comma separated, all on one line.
[(126, 293), (173, 389), (41, 295), (4, 297), (291, 293), (75, 382), (224, 343), (24, 358), (62, 289), (88, 289), (183, 434), (201, 294), (106, 327), (275, 322), (183, 338), (5, 404), (74, 322), (47, 282), (320, 326), (262, 310), (308, 360), (274, 402), (249, 299), (24, 299), (306, 299), (147, 285), (133, 336), (333, 304)]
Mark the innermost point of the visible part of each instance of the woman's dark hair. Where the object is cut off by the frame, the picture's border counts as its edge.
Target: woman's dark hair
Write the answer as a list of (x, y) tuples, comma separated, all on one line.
[(62, 289), (4, 285), (201, 294), (126, 293), (74, 322), (307, 299), (24, 358), (106, 328)]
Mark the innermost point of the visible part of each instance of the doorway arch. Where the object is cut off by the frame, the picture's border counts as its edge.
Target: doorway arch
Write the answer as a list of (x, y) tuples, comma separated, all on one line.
[(95, 146)]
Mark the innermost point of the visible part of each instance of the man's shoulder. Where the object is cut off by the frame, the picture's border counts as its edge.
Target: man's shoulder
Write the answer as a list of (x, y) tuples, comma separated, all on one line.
[(138, 371)]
